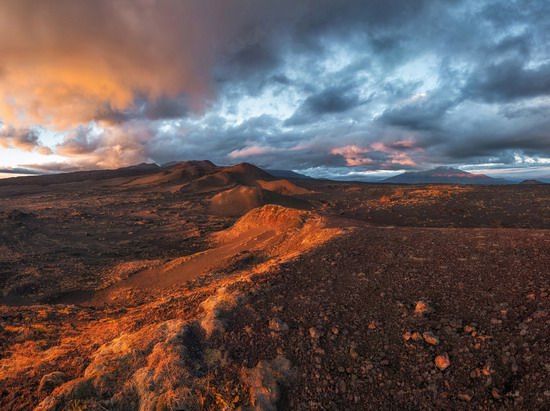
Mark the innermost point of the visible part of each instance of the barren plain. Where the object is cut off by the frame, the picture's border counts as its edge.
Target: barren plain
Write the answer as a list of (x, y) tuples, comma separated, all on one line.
[(202, 287)]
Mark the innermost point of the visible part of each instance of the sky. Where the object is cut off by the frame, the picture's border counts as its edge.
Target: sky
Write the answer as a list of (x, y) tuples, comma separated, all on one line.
[(338, 89)]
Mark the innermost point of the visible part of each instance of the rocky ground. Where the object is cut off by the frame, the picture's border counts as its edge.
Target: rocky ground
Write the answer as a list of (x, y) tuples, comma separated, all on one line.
[(408, 318), (133, 292)]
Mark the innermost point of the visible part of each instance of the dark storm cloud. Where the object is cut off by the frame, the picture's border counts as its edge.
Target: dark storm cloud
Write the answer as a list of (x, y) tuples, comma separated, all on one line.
[(371, 17), (254, 57), (533, 143), (329, 101), (420, 115), (509, 80), (250, 69), (519, 45), (161, 108), (333, 100)]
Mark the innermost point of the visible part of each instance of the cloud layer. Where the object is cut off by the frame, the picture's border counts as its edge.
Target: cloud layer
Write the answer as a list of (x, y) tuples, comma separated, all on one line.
[(320, 85)]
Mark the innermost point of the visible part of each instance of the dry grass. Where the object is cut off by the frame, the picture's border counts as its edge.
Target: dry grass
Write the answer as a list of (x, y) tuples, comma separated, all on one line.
[(425, 195)]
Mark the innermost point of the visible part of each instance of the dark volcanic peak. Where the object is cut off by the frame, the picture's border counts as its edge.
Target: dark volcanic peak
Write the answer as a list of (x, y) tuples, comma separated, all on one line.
[(176, 173), (248, 169), (442, 175), (532, 182), (202, 164), (140, 166), (244, 174), (443, 170), (199, 167)]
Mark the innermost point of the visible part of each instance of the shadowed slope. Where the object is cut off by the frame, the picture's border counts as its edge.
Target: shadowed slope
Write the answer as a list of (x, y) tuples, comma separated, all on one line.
[(240, 199), (183, 172), (242, 174), (283, 187)]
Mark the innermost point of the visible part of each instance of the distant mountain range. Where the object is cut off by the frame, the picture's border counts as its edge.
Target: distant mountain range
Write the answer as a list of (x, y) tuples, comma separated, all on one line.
[(442, 175), (276, 173), (439, 175), (79, 176), (287, 174)]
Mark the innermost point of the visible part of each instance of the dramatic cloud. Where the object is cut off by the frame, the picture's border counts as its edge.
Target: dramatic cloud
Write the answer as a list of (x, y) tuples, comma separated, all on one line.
[(65, 60), (332, 100), (334, 87), (161, 108), (379, 154), (509, 80), (92, 147), (26, 139)]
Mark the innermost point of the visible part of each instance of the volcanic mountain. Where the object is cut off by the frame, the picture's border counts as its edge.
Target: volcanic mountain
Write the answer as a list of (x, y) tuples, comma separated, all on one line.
[(532, 182), (445, 175), (176, 173)]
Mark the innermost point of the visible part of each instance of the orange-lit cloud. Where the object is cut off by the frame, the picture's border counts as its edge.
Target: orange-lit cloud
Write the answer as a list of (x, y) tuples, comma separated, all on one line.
[(401, 159), (353, 155), (63, 61), (378, 153)]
